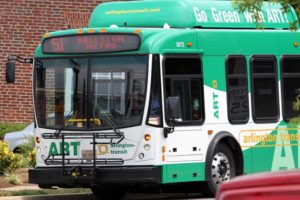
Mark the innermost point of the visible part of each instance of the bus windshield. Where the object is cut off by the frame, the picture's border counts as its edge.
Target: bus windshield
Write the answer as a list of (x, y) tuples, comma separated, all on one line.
[(87, 93)]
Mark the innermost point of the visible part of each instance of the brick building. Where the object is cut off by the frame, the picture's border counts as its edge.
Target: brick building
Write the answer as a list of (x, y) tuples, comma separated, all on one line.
[(22, 23)]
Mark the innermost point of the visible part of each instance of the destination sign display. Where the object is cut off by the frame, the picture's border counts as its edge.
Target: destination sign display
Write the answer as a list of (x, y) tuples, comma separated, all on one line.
[(91, 43)]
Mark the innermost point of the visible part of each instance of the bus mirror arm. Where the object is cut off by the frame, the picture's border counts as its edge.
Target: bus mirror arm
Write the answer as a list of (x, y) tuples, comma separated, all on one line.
[(168, 130), (173, 113), (11, 65)]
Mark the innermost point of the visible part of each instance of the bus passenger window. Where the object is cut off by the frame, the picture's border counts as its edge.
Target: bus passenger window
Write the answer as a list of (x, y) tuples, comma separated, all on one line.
[(237, 89), (290, 76), (264, 92), (183, 83)]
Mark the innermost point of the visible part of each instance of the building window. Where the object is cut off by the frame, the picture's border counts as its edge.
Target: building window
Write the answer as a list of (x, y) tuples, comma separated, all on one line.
[(237, 89), (290, 84), (184, 90), (264, 92)]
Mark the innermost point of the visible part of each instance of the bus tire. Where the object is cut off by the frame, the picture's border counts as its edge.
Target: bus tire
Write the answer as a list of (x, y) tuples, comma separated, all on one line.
[(112, 193), (221, 167)]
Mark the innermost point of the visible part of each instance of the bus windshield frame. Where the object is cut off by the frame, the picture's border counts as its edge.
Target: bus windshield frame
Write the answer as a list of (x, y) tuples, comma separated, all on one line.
[(85, 93)]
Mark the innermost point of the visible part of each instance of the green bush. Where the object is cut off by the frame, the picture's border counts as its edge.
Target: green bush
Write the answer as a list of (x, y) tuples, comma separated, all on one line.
[(28, 152), (9, 161), (13, 179), (10, 127)]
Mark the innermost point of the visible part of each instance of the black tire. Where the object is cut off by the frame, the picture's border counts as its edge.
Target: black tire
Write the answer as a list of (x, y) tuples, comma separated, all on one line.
[(220, 167), (112, 193)]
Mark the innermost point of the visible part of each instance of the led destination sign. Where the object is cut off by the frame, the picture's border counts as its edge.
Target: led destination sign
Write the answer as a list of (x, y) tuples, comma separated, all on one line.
[(92, 43)]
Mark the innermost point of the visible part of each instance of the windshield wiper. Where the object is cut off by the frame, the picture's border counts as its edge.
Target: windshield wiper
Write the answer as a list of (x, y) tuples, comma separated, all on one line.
[(112, 125)]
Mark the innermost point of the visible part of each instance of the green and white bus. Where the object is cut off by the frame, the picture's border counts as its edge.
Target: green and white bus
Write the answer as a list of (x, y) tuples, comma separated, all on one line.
[(165, 94)]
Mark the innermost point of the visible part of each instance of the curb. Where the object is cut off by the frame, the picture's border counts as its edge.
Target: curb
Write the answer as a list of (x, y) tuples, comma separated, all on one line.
[(51, 197), (18, 188)]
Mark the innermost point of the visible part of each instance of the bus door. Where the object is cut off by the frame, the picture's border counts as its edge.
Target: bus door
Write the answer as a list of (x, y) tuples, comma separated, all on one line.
[(184, 108)]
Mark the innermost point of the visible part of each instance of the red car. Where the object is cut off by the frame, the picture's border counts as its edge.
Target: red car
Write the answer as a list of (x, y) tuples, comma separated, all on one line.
[(283, 185)]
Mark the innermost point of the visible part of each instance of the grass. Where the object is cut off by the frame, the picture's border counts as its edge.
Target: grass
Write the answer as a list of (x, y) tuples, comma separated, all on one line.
[(43, 192)]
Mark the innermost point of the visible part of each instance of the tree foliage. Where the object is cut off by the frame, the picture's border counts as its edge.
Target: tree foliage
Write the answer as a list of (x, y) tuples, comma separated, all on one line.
[(254, 6)]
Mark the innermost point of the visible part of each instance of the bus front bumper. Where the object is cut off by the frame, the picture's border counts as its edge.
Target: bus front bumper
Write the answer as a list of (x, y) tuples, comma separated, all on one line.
[(50, 176)]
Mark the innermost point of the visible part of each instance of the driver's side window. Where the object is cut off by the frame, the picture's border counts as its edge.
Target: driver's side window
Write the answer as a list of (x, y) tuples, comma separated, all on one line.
[(183, 90)]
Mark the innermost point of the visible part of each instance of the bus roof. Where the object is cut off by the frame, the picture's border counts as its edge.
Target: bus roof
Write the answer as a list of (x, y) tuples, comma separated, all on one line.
[(187, 14)]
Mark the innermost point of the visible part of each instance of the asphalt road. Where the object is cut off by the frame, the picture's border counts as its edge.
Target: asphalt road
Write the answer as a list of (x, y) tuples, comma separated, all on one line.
[(128, 197)]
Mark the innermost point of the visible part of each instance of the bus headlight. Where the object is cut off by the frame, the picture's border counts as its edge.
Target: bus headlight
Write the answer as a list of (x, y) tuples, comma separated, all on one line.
[(141, 156), (38, 150), (147, 147)]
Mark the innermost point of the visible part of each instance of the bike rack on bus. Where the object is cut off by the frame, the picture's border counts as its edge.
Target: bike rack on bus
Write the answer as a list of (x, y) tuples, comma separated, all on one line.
[(81, 166)]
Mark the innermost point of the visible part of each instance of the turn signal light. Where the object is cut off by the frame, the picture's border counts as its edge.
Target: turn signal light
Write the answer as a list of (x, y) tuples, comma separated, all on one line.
[(147, 137), (38, 140)]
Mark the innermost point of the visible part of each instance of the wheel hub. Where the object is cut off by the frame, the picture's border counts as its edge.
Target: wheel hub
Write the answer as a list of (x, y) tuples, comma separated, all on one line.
[(220, 168)]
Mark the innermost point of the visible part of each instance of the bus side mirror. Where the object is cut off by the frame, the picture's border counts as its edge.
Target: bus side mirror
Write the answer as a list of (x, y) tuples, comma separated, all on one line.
[(11, 66), (10, 71)]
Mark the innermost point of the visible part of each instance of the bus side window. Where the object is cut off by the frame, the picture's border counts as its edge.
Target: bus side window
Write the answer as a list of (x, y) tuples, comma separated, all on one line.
[(290, 84), (237, 89), (264, 91), (183, 81)]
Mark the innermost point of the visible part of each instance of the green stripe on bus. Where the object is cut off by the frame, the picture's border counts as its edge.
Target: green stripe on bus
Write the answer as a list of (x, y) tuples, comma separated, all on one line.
[(184, 172)]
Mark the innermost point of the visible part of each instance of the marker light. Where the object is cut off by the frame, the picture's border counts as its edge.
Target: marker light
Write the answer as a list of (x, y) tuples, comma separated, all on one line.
[(189, 44), (80, 31), (296, 44), (91, 30), (102, 30), (138, 31), (147, 137), (46, 35)]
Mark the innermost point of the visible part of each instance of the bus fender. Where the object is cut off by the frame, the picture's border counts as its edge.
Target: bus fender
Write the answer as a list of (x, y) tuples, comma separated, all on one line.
[(228, 139)]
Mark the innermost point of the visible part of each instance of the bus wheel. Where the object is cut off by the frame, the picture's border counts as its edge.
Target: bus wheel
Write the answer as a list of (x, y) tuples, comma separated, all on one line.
[(220, 168), (112, 193)]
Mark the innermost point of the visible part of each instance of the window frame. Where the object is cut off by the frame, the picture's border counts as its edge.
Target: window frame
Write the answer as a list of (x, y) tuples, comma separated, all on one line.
[(272, 119), (283, 76), (89, 57), (228, 76), (184, 77), (155, 66)]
